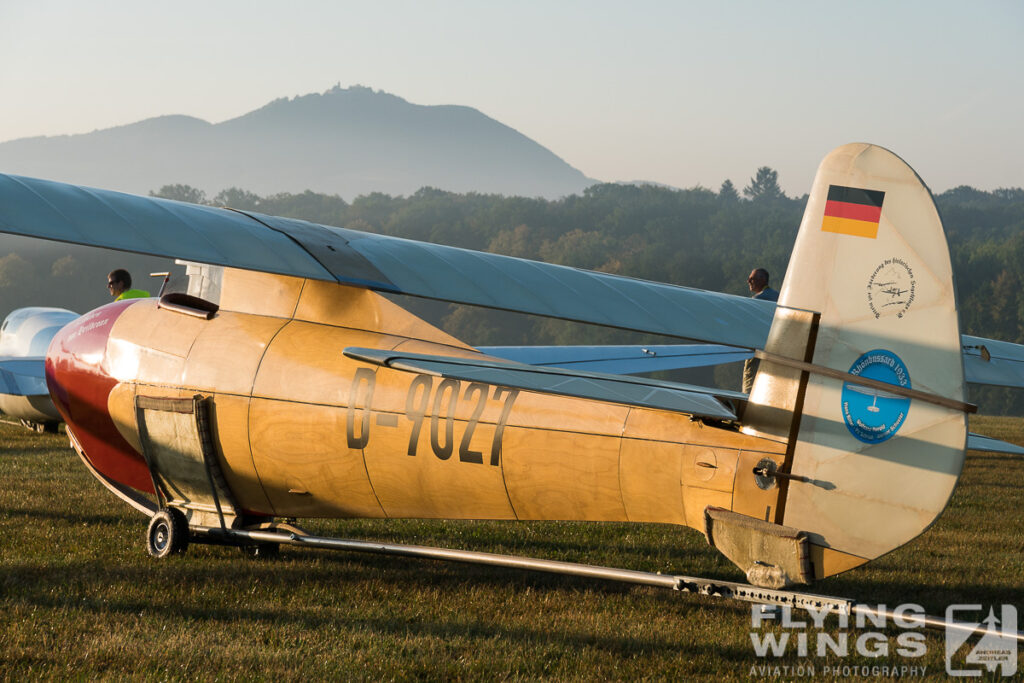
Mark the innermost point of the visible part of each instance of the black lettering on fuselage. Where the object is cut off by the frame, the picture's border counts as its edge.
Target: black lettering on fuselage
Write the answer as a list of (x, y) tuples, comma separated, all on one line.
[(443, 404)]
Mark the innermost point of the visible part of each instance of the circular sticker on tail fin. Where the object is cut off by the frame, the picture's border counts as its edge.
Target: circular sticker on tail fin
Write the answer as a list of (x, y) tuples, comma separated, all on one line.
[(875, 415)]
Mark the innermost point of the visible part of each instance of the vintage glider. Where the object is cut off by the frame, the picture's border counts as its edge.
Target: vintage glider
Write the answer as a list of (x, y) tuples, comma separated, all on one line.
[(291, 387), (24, 337)]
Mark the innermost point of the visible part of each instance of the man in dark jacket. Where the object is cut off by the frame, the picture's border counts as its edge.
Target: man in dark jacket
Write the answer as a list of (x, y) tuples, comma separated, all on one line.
[(758, 283)]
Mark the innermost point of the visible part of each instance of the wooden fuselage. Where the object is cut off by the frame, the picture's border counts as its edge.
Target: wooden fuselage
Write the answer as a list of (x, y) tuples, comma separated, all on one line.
[(303, 431)]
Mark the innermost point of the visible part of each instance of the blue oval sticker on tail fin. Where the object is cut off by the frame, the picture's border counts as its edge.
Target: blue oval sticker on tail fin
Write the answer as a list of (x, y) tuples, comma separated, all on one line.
[(873, 415)]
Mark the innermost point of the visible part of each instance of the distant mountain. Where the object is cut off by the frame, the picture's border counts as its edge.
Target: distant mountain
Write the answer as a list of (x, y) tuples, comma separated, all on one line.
[(345, 141)]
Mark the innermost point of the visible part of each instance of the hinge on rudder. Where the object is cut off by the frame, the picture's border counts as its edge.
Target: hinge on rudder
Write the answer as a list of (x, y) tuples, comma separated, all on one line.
[(771, 555)]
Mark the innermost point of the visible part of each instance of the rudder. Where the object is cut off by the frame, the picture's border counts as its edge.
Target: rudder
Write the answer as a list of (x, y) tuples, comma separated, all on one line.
[(868, 293)]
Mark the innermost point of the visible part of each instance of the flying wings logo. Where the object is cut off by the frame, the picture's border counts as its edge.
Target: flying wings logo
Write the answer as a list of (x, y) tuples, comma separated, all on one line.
[(996, 649), (974, 647), (874, 415), (852, 211)]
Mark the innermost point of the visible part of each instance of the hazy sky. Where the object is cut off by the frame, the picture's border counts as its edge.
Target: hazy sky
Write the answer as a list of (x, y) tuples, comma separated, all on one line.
[(682, 93)]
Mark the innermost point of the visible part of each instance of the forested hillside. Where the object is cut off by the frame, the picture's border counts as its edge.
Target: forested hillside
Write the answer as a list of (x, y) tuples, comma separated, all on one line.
[(696, 237)]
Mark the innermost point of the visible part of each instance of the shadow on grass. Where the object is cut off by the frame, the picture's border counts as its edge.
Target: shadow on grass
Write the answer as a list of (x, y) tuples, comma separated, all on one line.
[(89, 594), (63, 516), (993, 459), (996, 485), (295, 569), (872, 590)]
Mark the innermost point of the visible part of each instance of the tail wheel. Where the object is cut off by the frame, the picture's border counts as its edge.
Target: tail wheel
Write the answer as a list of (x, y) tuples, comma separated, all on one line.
[(167, 534)]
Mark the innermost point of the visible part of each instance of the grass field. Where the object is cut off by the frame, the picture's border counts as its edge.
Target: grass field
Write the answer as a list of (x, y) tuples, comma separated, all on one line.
[(82, 600)]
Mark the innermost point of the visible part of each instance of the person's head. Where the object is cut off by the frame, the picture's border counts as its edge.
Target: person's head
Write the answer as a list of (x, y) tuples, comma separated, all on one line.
[(118, 282), (758, 280)]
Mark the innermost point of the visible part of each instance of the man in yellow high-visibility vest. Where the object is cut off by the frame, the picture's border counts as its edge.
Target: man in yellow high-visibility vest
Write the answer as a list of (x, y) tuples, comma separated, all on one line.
[(119, 282)]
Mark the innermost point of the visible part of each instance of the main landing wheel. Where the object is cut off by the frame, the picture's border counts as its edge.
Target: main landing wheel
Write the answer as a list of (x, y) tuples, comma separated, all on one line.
[(167, 534)]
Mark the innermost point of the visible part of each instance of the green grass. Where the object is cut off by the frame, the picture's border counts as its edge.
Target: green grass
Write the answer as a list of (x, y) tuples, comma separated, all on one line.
[(82, 600)]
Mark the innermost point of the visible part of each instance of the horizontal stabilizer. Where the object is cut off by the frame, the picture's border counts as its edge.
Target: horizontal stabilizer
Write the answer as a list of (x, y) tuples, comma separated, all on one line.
[(977, 442), (621, 360), (611, 388), (23, 377), (986, 361)]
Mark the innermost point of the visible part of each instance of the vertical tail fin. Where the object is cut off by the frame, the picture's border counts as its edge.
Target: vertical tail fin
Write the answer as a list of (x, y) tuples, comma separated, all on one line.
[(868, 295)]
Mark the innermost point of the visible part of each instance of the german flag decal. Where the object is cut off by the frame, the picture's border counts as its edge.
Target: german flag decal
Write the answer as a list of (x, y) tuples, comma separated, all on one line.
[(852, 211)]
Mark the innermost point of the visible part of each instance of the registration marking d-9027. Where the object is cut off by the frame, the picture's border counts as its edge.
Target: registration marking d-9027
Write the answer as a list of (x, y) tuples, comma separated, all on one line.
[(434, 408)]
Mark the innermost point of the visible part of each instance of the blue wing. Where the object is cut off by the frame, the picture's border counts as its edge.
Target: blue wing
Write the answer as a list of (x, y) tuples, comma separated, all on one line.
[(23, 376), (57, 211), (102, 218)]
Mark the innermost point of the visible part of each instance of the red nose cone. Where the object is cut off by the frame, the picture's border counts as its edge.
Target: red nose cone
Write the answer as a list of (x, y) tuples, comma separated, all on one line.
[(80, 383)]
